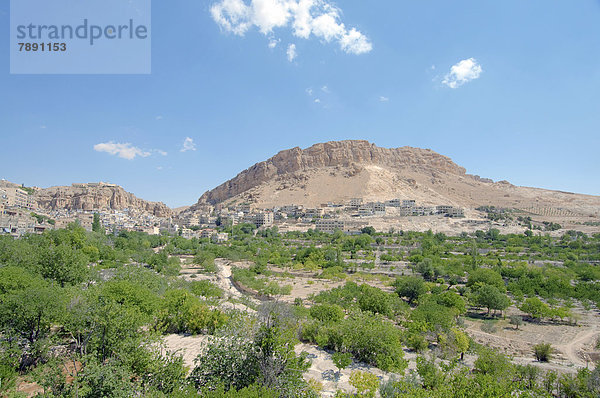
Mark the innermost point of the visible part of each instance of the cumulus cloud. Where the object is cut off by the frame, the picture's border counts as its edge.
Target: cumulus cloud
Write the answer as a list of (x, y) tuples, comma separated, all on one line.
[(273, 42), (319, 18), (125, 150), (383, 99), (463, 72), (188, 145), (291, 52)]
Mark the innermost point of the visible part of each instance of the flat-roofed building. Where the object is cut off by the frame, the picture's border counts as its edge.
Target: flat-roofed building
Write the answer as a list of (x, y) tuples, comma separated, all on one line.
[(365, 211), (207, 232), (220, 237), (355, 203), (314, 213), (292, 210), (264, 219), (16, 197), (329, 225)]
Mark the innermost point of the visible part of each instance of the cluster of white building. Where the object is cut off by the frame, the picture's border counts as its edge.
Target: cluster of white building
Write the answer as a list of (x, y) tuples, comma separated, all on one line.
[(326, 218)]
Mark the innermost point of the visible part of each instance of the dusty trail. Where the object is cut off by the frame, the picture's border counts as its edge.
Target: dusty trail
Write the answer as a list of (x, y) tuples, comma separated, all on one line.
[(570, 362), (570, 349)]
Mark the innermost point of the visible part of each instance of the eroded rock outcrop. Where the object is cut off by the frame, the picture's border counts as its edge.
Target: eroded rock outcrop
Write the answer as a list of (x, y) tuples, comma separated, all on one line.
[(348, 153), (100, 197)]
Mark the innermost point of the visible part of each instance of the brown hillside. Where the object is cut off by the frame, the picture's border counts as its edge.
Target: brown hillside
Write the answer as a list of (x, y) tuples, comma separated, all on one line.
[(338, 171)]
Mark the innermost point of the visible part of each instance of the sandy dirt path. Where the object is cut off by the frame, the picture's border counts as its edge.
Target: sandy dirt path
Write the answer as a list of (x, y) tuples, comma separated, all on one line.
[(569, 361), (572, 348)]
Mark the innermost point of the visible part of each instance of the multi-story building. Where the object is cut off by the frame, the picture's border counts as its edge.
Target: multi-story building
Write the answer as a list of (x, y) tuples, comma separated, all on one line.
[(422, 210), (16, 197), (409, 203), (355, 203), (191, 221), (220, 237), (377, 207), (443, 209), (292, 210), (314, 213), (207, 233), (3, 200), (456, 212), (365, 211), (263, 219), (329, 225), (393, 203)]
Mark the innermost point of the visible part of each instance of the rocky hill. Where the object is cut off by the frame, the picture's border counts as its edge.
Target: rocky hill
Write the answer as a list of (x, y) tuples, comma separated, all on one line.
[(338, 171), (96, 197)]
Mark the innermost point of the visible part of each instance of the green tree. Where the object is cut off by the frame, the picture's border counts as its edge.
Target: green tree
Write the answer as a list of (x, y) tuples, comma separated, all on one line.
[(30, 311), (543, 352), (64, 264), (516, 320), (366, 383), (411, 287), (535, 308), (96, 225), (486, 276), (492, 298), (327, 312), (341, 360)]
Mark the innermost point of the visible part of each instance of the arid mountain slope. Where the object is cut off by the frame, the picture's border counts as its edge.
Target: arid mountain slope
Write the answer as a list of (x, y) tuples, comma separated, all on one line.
[(96, 197), (338, 171)]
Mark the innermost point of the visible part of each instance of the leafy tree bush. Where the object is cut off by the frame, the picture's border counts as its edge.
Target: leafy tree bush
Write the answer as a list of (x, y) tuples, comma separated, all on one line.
[(205, 289), (490, 297), (486, 276), (366, 383), (543, 352), (535, 308), (410, 287), (341, 360), (327, 312), (516, 320), (181, 312)]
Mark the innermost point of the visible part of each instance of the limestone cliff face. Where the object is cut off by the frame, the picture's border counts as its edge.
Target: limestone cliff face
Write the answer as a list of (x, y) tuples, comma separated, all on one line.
[(97, 198), (331, 154)]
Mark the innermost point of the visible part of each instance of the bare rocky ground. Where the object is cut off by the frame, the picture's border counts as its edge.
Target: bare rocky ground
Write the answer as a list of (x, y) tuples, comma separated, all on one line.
[(574, 345)]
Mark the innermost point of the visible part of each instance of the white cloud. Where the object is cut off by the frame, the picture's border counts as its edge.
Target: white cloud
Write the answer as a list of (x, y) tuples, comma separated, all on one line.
[(309, 91), (383, 99), (159, 117), (325, 89), (305, 18), (318, 101), (42, 127), (355, 42), (463, 72), (125, 150), (162, 153), (232, 16), (273, 42), (291, 52), (188, 145)]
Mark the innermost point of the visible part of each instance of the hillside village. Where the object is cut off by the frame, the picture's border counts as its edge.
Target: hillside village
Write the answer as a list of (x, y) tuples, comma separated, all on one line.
[(21, 214)]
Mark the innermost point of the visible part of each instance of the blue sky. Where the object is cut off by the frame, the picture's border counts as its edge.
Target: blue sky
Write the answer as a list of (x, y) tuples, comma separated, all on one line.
[(523, 105)]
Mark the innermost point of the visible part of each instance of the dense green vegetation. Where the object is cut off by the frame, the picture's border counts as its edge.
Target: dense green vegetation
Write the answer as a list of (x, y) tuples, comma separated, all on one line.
[(83, 313)]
